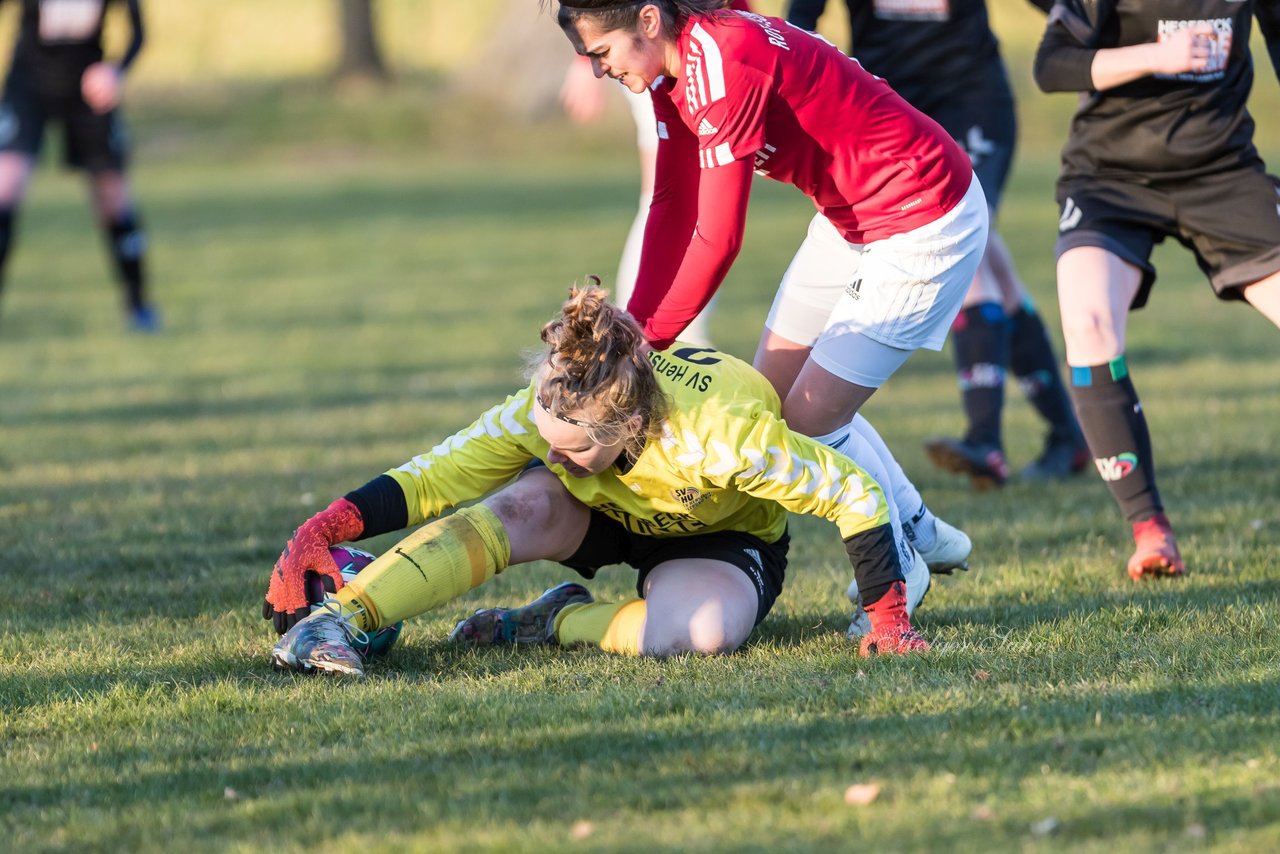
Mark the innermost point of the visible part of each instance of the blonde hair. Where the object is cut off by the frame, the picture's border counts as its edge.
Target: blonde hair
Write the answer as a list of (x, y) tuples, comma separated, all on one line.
[(594, 366)]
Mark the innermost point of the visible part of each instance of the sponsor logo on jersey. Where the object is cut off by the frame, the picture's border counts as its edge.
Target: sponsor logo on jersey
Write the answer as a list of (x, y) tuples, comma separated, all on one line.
[(685, 371), (772, 33), (762, 158), (1117, 467), (1220, 41), (689, 496), (853, 290), (1071, 215), (657, 524), (64, 21), (912, 10), (705, 128)]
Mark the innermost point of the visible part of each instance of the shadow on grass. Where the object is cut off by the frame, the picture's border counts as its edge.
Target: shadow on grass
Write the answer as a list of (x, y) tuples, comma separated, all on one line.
[(679, 748)]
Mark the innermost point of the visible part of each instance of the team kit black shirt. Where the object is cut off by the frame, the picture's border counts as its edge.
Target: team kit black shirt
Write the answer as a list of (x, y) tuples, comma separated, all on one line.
[(59, 39), (1161, 127), (930, 51)]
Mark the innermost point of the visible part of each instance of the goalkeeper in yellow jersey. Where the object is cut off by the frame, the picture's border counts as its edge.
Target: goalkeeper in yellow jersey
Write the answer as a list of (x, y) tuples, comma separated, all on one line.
[(676, 463)]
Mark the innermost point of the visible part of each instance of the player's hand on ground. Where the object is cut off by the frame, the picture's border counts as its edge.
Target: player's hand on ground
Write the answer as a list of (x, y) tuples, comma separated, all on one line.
[(1189, 50), (581, 94), (308, 551), (101, 86)]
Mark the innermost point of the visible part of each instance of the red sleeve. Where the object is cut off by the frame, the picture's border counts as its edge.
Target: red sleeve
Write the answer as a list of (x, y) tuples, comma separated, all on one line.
[(673, 213), (723, 194)]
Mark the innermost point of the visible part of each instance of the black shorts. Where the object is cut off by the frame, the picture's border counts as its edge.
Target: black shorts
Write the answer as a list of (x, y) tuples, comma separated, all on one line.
[(985, 124), (93, 141), (1230, 221), (608, 542)]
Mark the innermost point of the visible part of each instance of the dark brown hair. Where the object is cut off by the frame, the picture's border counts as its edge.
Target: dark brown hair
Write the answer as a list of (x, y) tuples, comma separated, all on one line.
[(595, 366), (610, 15)]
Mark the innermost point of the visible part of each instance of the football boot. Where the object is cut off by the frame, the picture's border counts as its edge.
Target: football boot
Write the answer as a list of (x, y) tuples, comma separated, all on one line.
[(532, 623), (1058, 461), (984, 464), (1156, 554), (324, 641)]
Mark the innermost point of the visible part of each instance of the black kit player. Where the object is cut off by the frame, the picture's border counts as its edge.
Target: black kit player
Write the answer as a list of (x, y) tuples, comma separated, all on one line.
[(1160, 146), (59, 75), (942, 56)]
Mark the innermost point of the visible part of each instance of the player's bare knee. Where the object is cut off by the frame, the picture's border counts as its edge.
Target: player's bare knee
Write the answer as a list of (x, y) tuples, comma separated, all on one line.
[(709, 634), (536, 499), (705, 631), (1088, 332)]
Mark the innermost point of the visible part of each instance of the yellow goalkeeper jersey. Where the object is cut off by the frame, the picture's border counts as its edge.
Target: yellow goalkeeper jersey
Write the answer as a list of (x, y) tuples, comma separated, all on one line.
[(725, 460)]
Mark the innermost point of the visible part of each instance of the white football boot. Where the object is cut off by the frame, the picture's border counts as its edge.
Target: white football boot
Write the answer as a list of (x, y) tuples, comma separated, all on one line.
[(950, 550), (918, 581)]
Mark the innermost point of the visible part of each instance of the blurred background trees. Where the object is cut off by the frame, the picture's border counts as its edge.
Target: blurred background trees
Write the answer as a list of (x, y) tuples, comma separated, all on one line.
[(360, 55)]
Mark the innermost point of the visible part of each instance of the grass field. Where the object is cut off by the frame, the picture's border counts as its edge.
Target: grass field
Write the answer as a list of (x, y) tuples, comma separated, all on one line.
[(323, 268)]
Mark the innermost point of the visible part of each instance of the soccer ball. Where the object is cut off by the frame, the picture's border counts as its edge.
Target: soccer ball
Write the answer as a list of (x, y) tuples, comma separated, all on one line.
[(351, 560)]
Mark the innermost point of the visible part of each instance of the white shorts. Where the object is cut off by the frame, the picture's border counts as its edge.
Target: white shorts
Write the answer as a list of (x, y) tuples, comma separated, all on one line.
[(851, 301), (646, 122)]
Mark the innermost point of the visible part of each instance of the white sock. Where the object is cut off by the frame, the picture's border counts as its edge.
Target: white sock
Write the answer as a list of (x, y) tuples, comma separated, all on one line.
[(917, 519), (852, 445)]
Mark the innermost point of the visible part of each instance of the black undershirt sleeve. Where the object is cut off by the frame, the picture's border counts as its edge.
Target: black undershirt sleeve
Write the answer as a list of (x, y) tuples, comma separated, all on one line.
[(1268, 14), (135, 44), (1064, 60), (381, 504)]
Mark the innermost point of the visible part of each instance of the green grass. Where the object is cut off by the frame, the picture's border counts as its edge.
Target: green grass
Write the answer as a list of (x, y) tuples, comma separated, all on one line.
[(338, 300)]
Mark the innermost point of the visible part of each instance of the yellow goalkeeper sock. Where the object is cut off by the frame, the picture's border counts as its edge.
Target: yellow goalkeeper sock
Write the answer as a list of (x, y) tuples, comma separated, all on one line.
[(614, 627), (435, 564)]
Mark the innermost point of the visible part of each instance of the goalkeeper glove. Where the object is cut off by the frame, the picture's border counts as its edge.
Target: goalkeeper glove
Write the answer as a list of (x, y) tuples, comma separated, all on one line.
[(308, 551)]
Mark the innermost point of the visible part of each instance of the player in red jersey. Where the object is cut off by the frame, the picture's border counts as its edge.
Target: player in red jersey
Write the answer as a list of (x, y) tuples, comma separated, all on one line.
[(582, 95), (901, 223)]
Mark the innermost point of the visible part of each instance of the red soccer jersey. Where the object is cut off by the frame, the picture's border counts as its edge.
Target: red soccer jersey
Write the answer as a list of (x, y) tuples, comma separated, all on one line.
[(757, 90)]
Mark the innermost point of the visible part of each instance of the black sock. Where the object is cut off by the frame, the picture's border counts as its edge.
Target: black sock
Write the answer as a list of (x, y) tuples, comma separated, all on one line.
[(6, 238), (1032, 361), (128, 247), (1116, 430), (980, 343)]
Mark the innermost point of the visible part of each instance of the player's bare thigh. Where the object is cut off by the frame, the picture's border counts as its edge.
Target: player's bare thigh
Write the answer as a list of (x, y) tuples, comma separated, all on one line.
[(1264, 295), (1095, 289), (543, 521)]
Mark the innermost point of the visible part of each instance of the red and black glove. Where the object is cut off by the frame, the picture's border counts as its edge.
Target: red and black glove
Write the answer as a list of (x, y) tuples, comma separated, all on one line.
[(891, 632), (308, 551)]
